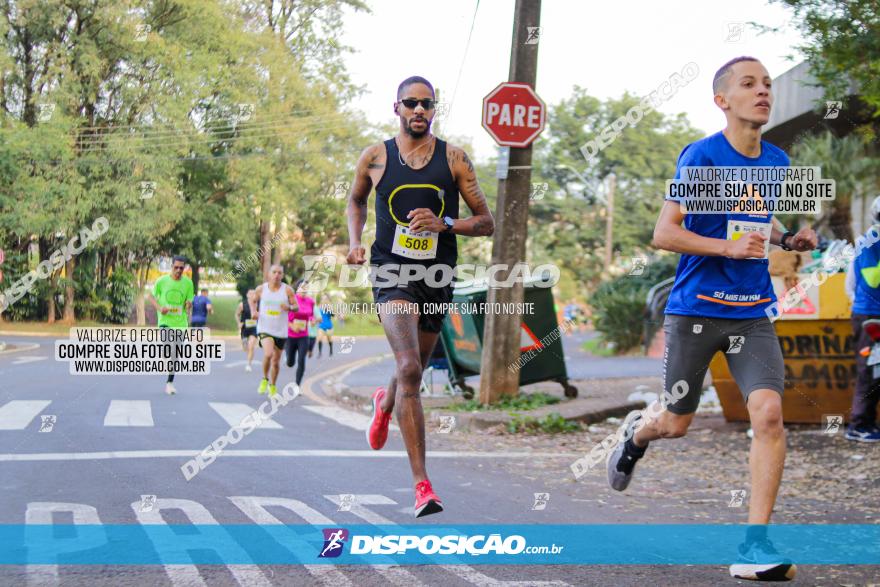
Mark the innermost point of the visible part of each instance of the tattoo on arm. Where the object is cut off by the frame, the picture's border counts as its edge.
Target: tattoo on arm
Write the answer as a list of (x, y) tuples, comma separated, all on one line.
[(373, 164), (482, 226), (467, 161)]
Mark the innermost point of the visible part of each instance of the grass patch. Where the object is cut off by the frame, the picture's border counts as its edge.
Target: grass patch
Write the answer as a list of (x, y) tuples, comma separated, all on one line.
[(516, 403), (222, 321), (358, 325), (58, 328), (552, 423), (598, 348)]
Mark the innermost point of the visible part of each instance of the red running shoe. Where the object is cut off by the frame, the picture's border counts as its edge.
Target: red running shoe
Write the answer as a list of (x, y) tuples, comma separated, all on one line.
[(377, 433), (427, 502)]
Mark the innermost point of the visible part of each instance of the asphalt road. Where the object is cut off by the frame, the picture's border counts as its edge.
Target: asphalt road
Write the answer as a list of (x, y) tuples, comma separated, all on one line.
[(87, 449), (579, 364)]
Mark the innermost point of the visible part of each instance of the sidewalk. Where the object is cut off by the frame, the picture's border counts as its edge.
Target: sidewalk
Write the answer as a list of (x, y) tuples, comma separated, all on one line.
[(598, 400)]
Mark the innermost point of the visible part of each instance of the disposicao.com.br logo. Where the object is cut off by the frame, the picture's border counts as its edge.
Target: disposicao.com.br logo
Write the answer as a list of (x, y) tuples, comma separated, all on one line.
[(451, 544)]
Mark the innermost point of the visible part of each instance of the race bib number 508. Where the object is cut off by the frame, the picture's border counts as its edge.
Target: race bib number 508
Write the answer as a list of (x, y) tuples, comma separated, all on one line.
[(418, 245)]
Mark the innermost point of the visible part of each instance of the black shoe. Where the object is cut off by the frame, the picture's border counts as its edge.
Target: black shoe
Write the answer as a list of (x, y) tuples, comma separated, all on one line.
[(621, 463)]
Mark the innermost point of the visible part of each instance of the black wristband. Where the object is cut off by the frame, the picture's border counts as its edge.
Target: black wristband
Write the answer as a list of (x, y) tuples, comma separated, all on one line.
[(782, 244)]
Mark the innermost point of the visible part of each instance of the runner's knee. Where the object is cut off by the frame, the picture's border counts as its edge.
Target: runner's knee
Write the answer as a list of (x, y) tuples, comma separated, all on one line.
[(765, 411), (672, 426), (409, 371)]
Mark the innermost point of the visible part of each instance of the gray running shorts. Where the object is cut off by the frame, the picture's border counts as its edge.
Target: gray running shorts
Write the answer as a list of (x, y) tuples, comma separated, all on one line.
[(749, 345)]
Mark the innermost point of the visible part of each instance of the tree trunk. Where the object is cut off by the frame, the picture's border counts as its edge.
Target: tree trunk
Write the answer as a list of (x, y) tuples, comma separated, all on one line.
[(840, 219), (53, 282), (142, 273), (264, 248), (195, 277), (69, 292), (43, 248)]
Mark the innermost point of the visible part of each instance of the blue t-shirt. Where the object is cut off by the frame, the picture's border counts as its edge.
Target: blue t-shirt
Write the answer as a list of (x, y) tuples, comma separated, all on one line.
[(719, 287), (866, 267), (200, 308), (326, 320)]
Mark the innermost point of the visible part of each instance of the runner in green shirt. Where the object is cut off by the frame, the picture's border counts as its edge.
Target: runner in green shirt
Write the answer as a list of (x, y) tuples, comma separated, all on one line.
[(172, 297)]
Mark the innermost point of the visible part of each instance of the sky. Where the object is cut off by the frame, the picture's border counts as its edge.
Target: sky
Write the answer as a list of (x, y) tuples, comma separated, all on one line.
[(605, 47)]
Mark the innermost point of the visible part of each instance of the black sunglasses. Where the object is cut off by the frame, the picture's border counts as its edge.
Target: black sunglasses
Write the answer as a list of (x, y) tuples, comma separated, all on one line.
[(427, 103)]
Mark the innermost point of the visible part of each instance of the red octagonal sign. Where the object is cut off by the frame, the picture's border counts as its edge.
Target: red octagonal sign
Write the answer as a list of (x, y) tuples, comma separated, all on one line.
[(513, 114)]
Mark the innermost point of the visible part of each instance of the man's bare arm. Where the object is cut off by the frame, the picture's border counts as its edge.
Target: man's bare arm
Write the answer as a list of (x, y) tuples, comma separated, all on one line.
[(670, 235), (291, 299), (153, 300), (481, 223), (254, 303), (360, 193)]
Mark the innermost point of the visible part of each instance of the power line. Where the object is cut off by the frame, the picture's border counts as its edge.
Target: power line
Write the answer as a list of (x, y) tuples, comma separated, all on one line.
[(159, 125), (463, 58), (215, 131), (267, 133)]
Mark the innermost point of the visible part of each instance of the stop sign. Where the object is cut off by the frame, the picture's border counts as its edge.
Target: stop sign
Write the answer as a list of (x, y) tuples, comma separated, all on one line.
[(513, 114)]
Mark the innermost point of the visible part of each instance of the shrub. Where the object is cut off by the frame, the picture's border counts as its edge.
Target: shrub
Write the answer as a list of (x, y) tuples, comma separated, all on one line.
[(619, 304), (33, 305), (120, 293)]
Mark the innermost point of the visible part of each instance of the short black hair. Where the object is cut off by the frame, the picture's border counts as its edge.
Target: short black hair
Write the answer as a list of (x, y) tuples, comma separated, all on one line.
[(204, 289), (725, 70), (413, 79), (177, 258)]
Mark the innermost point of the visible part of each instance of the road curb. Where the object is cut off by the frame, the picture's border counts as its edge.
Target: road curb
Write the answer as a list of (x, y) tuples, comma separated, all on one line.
[(592, 409), (61, 335), (5, 350), (24, 333), (490, 419)]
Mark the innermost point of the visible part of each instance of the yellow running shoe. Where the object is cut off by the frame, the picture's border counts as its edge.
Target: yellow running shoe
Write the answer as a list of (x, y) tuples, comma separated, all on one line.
[(264, 384), (272, 389)]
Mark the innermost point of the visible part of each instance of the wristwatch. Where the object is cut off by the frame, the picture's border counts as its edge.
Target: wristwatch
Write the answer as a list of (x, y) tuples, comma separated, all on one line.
[(449, 222), (782, 244)]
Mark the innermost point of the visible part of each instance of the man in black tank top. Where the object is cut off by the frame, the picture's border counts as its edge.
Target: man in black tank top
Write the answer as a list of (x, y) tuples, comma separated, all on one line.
[(418, 179)]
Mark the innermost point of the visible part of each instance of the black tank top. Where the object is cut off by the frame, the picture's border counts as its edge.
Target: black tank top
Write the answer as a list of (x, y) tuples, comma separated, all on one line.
[(402, 189), (245, 314)]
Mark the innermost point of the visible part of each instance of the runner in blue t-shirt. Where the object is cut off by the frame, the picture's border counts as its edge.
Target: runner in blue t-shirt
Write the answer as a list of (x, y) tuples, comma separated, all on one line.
[(718, 303), (201, 307), (325, 326)]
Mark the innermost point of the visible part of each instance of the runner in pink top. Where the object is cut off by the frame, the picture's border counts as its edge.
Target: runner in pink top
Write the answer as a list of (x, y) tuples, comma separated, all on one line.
[(298, 331)]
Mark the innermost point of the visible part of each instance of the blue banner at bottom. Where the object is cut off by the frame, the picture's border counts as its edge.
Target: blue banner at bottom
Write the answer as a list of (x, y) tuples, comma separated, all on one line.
[(421, 544)]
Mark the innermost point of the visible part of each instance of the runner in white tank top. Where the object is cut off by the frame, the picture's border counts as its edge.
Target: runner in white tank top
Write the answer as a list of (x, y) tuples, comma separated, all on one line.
[(272, 319), (274, 300)]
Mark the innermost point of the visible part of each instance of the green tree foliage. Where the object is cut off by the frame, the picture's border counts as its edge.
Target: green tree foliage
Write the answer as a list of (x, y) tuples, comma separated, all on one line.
[(568, 224), (842, 45), (198, 128), (847, 161)]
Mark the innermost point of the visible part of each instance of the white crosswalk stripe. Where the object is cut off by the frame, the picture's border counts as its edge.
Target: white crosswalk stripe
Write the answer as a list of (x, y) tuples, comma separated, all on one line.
[(18, 414), (344, 417), (26, 359), (234, 413), (260, 510), (129, 413)]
